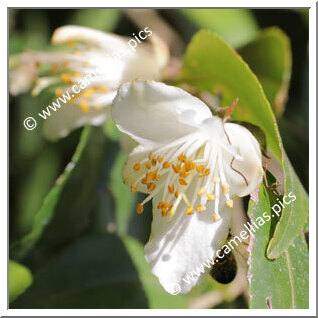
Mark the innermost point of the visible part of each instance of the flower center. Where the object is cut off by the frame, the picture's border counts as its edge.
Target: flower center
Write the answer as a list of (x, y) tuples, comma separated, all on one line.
[(172, 169)]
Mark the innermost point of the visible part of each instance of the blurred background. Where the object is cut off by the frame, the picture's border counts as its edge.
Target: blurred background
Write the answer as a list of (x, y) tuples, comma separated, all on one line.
[(84, 242)]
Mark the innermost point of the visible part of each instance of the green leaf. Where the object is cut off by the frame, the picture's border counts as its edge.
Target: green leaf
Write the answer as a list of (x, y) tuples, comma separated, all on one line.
[(279, 283), (269, 56), (94, 272), (235, 26), (211, 64), (294, 216), (102, 19), (20, 278), (46, 212), (157, 297)]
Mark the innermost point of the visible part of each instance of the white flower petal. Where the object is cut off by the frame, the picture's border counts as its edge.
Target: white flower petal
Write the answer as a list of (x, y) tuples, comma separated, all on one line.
[(156, 112), (70, 116), (249, 165), (177, 250), (98, 38)]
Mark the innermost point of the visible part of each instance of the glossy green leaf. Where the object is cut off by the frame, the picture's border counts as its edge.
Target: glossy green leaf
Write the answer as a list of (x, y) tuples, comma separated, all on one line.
[(269, 57), (211, 64), (294, 216), (94, 272), (157, 297), (235, 26), (279, 283), (20, 278)]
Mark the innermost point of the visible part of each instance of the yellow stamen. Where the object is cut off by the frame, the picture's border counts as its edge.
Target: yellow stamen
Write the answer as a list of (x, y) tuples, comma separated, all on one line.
[(189, 211), (202, 191), (66, 78), (176, 168), (200, 208), (157, 176), (182, 158), (59, 92), (77, 74), (70, 43), (215, 217), (137, 166), (154, 162), (160, 159), (85, 63), (200, 168), (171, 189), (151, 156), (183, 182), (225, 188), (88, 92), (78, 53), (229, 203), (166, 165), (189, 165), (151, 186), (148, 165), (176, 194), (140, 208), (84, 106), (133, 188), (210, 196)]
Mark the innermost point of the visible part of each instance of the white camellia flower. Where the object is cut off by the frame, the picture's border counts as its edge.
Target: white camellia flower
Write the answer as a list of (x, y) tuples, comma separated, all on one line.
[(98, 63), (192, 164)]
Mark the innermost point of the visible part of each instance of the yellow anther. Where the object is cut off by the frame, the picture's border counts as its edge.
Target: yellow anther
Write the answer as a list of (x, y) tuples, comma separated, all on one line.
[(216, 179), (59, 92), (97, 106), (176, 168), (70, 43), (140, 208), (160, 205), (148, 165), (103, 88), (202, 191), (137, 166), (182, 157), (171, 189), (183, 182), (225, 188), (164, 213), (151, 186), (210, 196), (189, 165), (189, 210), (157, 176), (206, 172), (154, 162), (176, 194), (77, 74), (88, 92), (200, 208), (160, 159), (216, 217), (166, 165), (150, 176), (66, 78), (144, 180), (77, 53), (133, 188), (85, 63), (84, 106), (151, 156), (200, 168), (183, 174), (229, 203)]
